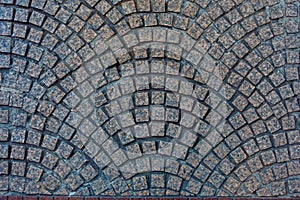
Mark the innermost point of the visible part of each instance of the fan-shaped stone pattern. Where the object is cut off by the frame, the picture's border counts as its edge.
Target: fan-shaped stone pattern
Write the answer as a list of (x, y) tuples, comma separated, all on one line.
[(138, 107), (149, 97)]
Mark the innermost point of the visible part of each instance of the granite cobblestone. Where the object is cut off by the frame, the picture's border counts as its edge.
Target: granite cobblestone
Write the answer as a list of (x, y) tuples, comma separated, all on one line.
[(149, 98)]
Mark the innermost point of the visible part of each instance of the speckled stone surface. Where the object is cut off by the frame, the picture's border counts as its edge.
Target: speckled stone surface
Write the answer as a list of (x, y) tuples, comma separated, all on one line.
[(150, 98)]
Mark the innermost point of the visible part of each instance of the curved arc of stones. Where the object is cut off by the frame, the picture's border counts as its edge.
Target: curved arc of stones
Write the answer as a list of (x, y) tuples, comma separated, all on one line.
[(55, 84), (93, 74), (37, 171), (104, 52), (249, 174), (171, 33)]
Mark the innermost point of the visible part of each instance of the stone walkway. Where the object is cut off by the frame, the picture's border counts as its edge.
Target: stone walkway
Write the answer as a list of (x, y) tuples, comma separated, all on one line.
[(150, 97)]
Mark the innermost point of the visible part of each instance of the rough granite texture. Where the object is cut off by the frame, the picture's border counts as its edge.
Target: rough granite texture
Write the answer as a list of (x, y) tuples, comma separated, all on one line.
[(150, 97)]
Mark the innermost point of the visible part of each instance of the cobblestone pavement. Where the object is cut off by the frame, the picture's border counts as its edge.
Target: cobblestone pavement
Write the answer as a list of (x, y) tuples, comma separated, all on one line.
[(150, 97)]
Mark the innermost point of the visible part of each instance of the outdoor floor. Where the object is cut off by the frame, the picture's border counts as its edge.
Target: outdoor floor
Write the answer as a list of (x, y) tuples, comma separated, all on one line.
[(150, 98)]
